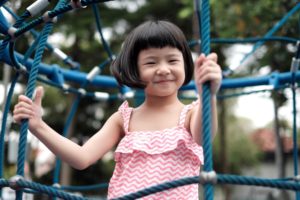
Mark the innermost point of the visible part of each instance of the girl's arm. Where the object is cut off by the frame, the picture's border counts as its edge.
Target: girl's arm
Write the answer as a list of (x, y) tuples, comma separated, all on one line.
[(75, 155), (196, 120), (206, 69)]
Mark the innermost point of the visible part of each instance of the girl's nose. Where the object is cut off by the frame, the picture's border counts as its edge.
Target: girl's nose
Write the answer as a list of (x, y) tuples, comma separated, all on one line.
[(163, 69)]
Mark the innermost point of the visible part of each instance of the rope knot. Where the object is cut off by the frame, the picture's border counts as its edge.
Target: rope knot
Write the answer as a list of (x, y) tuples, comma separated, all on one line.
[(46, 17), (56, 185), (82, 91), (11, 32), (13, 182), (76, 4), (208, 177), (296, 178)]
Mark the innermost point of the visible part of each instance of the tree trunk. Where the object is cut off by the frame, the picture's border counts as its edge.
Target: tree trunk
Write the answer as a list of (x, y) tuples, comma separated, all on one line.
[(279, 160), (223, 145), (279, 151)]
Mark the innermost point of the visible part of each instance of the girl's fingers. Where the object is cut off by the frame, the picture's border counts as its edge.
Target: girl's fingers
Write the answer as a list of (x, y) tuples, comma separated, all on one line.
[(213, 57), (39, 95), (22, 104), (214, 77), (202, 59), (208, 68), (21, 116), (18, 117), (23, 111), (208, 74), (23, 98), (25, 108), (199, 61), (208, 64)]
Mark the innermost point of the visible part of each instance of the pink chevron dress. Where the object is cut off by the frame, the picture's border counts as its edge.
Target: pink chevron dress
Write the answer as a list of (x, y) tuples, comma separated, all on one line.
[(147, 158)]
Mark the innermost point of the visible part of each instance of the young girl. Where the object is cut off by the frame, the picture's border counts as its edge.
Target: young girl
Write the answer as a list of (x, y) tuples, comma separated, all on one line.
[(161, 139)]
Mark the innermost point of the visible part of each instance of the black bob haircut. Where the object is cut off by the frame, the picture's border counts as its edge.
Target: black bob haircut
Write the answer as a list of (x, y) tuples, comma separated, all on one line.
[(150, 34)]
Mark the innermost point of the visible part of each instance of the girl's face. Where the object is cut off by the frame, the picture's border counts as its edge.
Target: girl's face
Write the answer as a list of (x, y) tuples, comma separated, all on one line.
[(162, 69)]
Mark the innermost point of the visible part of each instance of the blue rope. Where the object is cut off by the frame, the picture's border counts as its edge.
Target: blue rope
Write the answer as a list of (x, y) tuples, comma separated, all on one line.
[(192, 43), (255, 39), (295, 143), (22, 19), (220, 179), (85, 187), (203, 14), (31, 49), (36, 34), (53, 13), (3, 2), (99, 27), (7, 39), (272, 31), (3, 183), (29, 93), (4, 44), (4, 122), (50, 191)]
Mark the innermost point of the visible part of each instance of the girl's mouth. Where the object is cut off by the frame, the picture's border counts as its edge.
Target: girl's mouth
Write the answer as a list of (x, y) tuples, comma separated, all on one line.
[(163, 81)]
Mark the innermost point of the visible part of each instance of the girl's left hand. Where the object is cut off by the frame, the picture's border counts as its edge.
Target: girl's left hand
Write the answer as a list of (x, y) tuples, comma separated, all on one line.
[(207, 69)]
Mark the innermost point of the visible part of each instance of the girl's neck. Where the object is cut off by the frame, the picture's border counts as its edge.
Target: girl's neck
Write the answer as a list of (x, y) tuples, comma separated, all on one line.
[(160, 102)]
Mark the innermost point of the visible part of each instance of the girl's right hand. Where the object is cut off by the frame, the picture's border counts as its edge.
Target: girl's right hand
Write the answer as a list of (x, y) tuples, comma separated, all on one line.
[(28, 109), (207, 69)]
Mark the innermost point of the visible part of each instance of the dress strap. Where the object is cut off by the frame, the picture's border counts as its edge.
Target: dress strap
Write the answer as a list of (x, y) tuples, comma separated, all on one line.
[(185, 110), (125, 111)]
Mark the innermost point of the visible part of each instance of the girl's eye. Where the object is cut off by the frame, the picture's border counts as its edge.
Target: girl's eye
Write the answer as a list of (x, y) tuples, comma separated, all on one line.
[(173, 61), (149, 63)]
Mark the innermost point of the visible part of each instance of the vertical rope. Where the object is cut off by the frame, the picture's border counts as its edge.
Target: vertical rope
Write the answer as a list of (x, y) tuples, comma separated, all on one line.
[(29, 93), (294, 68), (295, 144), (3, 125), (99, 27), (204, 26)]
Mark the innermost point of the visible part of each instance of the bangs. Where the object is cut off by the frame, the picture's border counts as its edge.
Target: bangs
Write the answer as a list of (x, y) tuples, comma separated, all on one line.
[(157, 35)]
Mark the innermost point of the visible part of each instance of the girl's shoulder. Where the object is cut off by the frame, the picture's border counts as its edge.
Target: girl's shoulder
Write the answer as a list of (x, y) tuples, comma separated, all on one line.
[(124, 105), (125, 109), (191, 109), (116, 118), (193, 105)]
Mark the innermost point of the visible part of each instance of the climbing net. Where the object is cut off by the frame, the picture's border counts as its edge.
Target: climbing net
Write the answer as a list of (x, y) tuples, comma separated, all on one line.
[(33, 67)]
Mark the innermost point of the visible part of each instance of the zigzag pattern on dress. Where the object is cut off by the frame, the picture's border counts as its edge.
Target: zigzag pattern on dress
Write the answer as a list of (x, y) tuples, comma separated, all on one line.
[(155, 142), (146, 158)]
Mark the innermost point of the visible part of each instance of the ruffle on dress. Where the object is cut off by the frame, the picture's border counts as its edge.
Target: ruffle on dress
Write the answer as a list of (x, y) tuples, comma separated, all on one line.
[(156, 142)]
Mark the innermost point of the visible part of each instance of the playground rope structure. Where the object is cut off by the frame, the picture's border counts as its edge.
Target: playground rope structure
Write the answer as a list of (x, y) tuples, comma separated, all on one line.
[(33, 67)]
